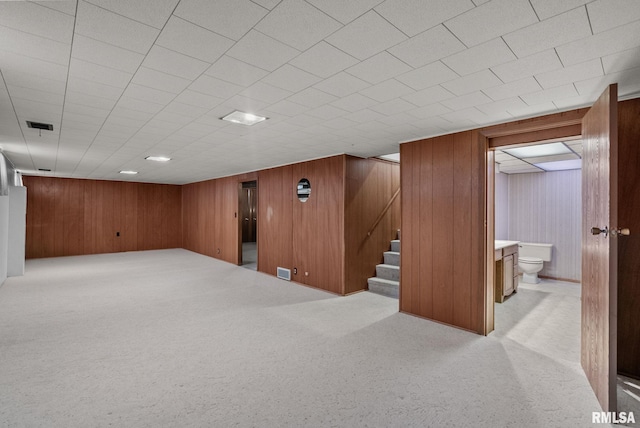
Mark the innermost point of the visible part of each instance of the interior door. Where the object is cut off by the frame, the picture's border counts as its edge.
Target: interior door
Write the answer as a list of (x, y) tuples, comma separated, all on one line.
[(599, 247)]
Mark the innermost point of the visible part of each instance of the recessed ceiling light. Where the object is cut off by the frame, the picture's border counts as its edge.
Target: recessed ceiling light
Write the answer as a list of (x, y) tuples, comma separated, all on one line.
[(158, 158), (243, 118), (560, 165), (539, 150), (129, 172)]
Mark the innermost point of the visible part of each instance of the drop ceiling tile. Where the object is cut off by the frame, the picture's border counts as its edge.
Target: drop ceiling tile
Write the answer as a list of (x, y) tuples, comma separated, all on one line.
[(182, 113), (198, 99), (158, 80), (428, 47), (472, 82), (100, 24), (34, 46), (549, 95), (393, 106), (341, 85), (427, 76), (98, 73), (378, 68), (556, 31), (174, 63), (138, 116), (472, 115), (548, 8), (415, 16), (31, 72), (498, 17), (264, 92), (513, 89), (297, 24), (151, 12), (291, 78), (628, 84), (323, 60), (528, 66), (432, 110), (621, 61), (606, 43), (73, 108), (366, 36), (145, 93), (262, 51), (68, 6), (242, 103), (428, 96), (354, 102), (502, 106), (35, 95), (480, 57), (83, 99), (466, 101), (327, 112), (387, 90), (607, 14), (104, 54), (230, 18), (139, 105), (232, 70), (287, 108), (211, 86), (189, 39), (267, 4), (575, 102), (87, 87), (34, 19), (574, 73), (344, 11), (312, 98)]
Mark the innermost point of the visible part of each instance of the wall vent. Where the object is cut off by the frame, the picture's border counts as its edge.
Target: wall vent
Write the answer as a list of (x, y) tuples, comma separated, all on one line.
[(284, 273), (39, 125)]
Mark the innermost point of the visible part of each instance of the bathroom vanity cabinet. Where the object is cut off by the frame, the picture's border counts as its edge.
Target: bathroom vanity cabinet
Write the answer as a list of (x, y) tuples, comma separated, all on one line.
[(506, 269)]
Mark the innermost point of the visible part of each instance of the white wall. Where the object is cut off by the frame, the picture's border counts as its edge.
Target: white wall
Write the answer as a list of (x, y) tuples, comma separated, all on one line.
[(17, 230), (547, 207), (4, 236), (502, 206)]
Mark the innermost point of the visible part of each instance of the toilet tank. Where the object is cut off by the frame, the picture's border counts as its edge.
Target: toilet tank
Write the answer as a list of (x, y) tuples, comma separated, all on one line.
[(530, 249)]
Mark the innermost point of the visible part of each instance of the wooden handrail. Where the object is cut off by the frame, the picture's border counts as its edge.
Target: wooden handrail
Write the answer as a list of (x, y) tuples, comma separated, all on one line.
[(384, 211)]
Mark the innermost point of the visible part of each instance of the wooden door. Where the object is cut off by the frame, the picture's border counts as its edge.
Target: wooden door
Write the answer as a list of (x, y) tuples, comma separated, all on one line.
[(599, 251), (248, 214)]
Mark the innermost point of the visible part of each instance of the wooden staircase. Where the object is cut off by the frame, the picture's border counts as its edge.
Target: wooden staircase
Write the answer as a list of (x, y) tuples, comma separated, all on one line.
[(387, 279)]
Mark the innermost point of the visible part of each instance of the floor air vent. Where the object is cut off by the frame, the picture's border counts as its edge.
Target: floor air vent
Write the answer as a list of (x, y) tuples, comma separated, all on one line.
[(284, 273)]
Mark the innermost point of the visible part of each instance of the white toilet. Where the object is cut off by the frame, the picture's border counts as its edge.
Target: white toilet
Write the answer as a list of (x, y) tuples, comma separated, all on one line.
[(531, 257)]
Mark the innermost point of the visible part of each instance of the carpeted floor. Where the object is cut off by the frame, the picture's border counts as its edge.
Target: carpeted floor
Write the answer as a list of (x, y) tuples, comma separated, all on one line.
[(173, 338)]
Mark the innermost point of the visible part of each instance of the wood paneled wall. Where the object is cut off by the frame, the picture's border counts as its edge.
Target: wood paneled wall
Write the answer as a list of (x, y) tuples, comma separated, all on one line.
[(73, 217), (443, 229), (370, 184), (546, 208), (629, 246)]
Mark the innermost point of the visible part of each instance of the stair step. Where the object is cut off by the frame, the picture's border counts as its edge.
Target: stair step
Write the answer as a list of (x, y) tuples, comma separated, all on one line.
[(395, 245), (391, 272), (392, 258), (384, 286)]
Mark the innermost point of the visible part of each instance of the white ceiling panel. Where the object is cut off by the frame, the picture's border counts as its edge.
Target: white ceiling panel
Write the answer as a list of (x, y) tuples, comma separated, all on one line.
[(298, 24), (34, 46), (264, 92), (291, 78), (387, 90), (366, 36), (432, 110), (232, 70), (101, 53), (465, 101), (198, 99), (472, 82), (64, 6), (607, 14), (323, 60), (428, 96), (230, 18), (145, 93), (354, 102), (262, 51), (427, 76), (21, 69), (556, 31), (380, 67), (574, 73), (621, 61), (528, 66), (211, 86), (189, 39), (493, 19), (489, 54), (100, 24), (151, 12), (547, 8), (415, 16), (393, 106), (427, 47), (312, 97), (502, 106), (35, 19), (341, 85), (345, 11), (98, 73), (35, 95), (516, 88), (159, 80), (174, 63), (552, 94)]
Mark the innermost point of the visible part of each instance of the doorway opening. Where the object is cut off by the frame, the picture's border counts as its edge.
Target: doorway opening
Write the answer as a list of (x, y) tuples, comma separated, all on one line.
[(248, 218)]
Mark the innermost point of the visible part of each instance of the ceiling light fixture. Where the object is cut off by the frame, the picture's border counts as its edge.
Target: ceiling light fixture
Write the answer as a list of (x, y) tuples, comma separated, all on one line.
[(129, 172), (243, 118), (539, 150), (158, 158), (560, 165)]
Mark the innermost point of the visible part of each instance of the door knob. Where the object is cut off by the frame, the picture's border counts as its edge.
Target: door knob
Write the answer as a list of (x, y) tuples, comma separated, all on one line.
[(246, 219), (620, 232), (597, 231)]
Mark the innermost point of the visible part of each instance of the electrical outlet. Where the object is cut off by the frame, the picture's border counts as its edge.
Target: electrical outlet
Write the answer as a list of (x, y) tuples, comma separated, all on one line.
[(295, 271)]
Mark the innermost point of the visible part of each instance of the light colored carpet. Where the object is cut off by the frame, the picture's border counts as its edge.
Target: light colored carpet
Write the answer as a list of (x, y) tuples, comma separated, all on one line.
[(250, 255), (173, 338)]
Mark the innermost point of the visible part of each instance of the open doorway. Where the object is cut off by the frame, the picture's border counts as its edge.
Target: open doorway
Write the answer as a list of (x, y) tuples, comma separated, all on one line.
[(248, 203)]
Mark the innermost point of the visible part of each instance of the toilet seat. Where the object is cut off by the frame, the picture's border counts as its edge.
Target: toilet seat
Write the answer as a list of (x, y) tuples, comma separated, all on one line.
[(530, 260)]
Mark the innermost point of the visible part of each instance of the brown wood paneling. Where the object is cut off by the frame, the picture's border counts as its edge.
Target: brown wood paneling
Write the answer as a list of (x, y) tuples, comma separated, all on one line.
[(73, 217), (370, 184), (629, 246), (443, 221), (599, 253), (275, 219)]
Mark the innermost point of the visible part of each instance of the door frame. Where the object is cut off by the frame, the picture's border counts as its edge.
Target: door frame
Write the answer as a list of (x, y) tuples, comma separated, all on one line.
[(239, 216)]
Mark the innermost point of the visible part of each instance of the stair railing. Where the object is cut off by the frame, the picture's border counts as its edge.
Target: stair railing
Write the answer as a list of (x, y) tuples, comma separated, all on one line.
[(383, 212)]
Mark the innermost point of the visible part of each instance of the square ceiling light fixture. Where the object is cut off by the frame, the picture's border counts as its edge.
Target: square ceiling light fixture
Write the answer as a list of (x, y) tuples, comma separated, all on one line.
[(243, 118), (158, 158), (539, 150), (560, 165), (128, 172)]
